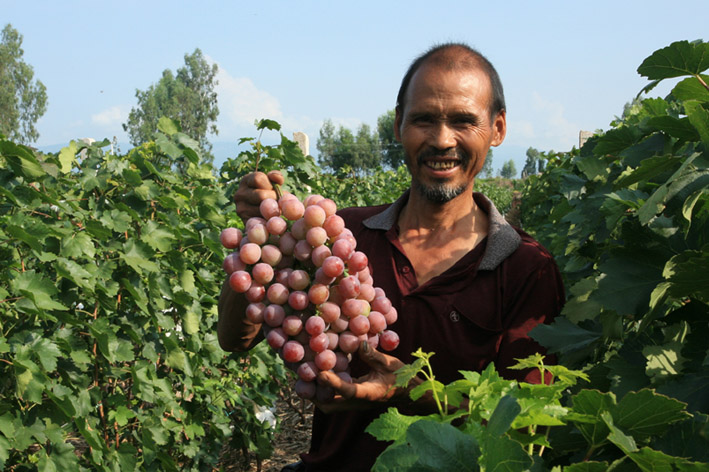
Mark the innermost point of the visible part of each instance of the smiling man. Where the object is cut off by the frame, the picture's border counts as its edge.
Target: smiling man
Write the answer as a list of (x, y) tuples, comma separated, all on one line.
[(467, 285)]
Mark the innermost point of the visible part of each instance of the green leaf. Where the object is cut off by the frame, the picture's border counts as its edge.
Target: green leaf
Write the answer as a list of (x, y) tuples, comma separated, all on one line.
[(138, 256), (443, 447), (692, 89), (627, 282), (157, 237), (37, 288), (563, 336), (699, 117), (78, 245), (21, 160), (502, 454), (587, 467), (67, 157), (646, 414), (593, 404), (625, 442), (168, 126), (397, 458), (391, 426), (687, 275), (506, 411), (678, 59)]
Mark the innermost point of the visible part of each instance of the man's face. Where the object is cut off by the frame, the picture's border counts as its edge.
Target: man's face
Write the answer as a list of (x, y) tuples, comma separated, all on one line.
[(446, 130)]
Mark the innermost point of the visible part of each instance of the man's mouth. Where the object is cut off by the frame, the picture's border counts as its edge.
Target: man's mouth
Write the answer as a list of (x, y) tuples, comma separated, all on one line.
[(442, 165)]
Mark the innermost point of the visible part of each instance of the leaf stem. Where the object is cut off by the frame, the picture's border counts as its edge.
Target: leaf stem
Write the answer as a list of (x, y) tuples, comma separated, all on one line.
[(701, 81)]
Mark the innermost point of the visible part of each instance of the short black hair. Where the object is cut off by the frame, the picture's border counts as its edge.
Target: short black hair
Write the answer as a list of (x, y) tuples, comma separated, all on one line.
[(467, 57)]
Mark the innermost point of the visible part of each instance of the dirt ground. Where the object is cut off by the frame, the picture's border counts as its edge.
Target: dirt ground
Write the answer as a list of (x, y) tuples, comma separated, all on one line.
[(295, 418)]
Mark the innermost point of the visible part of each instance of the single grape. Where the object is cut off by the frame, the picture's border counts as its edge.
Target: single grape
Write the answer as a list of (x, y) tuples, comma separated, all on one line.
[(359, 325), (316, 236), (377, 322), (274, 315), (319, 254), (388, 340), (277, 293), (326, 359), (230, 237), (292, 209), (312, 200), (250, 253), (333, 266), (298, 279), (302, 250), (315, 325), (329, 312), (307, 371), (391, 316), (381, 304), (269, 208), (232, 263), (318, 293), (292, 325), (276, 338), (305, 389), (357, 261), (276, 225), (262, 273), (349, 342), (271, 255), (240, 281), (287, 244), (298, 300), (254, 312), (328, 205), (257, 234), (299, 229), (319, 343), (256, 292), (334, 224), (314, 215), (343, 249), (293, 351)]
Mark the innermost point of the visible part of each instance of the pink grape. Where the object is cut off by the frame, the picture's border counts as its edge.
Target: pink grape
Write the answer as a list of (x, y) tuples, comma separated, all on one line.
[(269, 208), (333, 340), (319, 254), (274, 315), (328, 205), (285, 196), (298, 280), (388, 340), (381, 304), (319, 343), (293, 209), (329, 312), (343, 361), (316, 236), (277, 293), (333, 266), (299, 229), (357, 261), (359, 325), (312, 200), (349, 342), (282, 276), (292, 325), (318, 293), (379, 292), (302, 250), (353, 307), (373, 340), (307, 371), (339, 325), (298, 300), (257, 234), (233, 262), (334, 224), (287, 244), (314, 215), (254, 312), (256, 220), (314, 325), (230, 237), (326, 359), (271, 255), (240, 281), (250, 253), (276, 225), (349, 287), (377, 322), (343, 249), (366, 292), (293, 351), (391, 316), (276, 338), (305, 389), (344, 376), (262, 273), (321, 278), (256, 292)]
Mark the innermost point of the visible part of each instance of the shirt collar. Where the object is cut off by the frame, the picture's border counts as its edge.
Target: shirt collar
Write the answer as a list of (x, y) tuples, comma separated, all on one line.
[(502, 238)]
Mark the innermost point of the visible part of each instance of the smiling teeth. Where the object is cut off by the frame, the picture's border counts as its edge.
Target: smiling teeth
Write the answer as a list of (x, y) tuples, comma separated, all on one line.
[(438, 165)]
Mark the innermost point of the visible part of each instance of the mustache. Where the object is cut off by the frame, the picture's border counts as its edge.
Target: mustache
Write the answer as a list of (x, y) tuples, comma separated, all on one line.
[(451, 153)]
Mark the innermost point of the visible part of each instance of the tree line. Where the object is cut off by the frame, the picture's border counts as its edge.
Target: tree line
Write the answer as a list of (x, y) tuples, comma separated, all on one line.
[(188, 96)]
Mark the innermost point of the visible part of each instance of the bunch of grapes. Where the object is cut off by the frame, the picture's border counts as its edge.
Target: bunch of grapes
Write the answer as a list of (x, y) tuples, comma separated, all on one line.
[(309, 288)]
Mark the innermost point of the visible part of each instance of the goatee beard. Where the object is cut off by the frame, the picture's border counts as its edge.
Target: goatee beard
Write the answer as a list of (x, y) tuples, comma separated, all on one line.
[(440, 193)]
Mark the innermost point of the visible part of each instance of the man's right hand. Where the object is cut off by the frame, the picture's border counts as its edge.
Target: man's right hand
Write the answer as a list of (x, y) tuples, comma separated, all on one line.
[(253, 189)]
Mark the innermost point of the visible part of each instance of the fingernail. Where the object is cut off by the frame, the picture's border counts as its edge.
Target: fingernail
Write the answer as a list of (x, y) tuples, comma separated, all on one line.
[(365, 347)]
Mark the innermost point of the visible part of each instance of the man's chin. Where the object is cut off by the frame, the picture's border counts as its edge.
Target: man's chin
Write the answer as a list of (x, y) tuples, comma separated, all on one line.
[(439, 194)]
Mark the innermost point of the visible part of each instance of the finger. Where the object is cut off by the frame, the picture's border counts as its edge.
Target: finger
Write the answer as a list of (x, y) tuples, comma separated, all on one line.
[(276, 177), (256, 180), (346, 389), (378, 360)]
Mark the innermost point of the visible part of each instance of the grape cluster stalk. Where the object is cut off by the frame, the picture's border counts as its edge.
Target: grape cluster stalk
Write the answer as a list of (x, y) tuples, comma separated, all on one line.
[(309, 288)]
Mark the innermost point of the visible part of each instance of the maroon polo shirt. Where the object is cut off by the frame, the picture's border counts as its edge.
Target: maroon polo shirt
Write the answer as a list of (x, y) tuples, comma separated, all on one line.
[(478, 311)]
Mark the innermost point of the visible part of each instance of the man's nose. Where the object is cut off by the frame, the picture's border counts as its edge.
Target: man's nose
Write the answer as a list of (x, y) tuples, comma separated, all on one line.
[(443, 136)]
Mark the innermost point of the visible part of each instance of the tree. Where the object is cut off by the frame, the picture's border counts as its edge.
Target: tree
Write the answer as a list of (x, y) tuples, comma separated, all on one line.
[(487, 171), (340, 149), (187, 97), (530, 165), (508, 170), (392, 150), (22, 101)]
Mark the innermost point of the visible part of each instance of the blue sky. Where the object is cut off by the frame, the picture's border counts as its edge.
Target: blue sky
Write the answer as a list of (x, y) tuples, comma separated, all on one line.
[(565, 66)]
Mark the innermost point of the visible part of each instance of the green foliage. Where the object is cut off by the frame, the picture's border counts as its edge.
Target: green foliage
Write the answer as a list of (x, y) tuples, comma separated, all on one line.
[(22, 100), (111, 265), (187, 97), (487, 423), (392, 151), (342, 151), (508, 170)]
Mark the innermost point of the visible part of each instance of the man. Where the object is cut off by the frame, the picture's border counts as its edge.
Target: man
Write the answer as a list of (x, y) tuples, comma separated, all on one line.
[(467, 285)]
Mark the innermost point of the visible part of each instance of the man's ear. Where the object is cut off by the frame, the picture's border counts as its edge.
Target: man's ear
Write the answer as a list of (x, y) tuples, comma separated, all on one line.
[(499, 128)]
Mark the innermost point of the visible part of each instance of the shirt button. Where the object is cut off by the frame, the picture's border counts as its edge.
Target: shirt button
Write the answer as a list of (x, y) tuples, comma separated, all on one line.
[(454, 316), (406, 270)]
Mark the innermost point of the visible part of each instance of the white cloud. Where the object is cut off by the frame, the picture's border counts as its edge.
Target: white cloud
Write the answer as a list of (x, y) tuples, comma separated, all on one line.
[(109, 117), (541, 123), (554, 125), (241, 102)]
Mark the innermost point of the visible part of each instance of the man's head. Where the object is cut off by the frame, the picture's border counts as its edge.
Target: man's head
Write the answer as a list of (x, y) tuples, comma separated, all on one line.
[(450, 111), (453, 56)]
